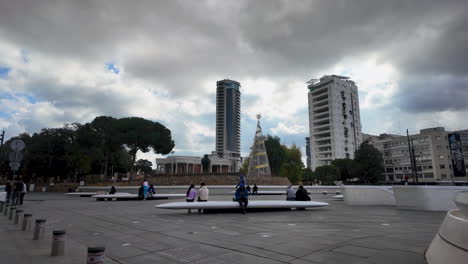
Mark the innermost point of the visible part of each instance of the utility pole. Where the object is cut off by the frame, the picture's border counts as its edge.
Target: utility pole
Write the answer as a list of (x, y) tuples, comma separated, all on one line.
[(411, 157), (414, 161), (2, 138)]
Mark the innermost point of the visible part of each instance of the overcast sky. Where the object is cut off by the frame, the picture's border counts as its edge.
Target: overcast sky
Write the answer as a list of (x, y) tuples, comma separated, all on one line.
[(70, 61)]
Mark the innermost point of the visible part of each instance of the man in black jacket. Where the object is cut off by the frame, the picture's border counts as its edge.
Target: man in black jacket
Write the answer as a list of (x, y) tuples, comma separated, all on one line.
[(301, 194)]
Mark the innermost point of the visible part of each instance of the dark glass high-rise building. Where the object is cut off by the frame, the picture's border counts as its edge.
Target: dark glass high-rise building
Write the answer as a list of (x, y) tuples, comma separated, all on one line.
[(228, 108)]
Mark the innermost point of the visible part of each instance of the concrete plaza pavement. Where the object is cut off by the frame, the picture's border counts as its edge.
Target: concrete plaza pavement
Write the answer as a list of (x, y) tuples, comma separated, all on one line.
[(135, 232)]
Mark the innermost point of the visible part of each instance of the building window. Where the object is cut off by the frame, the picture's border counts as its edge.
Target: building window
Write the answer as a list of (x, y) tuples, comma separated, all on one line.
[(442, 166), (439, 147), (441, 156), (438, 137), (443, 175)]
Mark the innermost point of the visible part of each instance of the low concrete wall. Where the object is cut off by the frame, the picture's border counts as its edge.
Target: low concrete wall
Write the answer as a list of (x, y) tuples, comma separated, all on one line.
[(429, 198), (368, 195)]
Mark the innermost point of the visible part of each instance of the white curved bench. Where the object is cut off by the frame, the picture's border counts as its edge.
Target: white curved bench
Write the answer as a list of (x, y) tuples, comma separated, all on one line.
[(133, 196), (233, 205)]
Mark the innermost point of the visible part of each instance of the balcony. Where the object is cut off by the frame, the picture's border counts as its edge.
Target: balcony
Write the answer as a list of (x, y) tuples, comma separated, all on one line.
[(322, 133), (320, 91), (321, 116), (319, 98), (321, 103)]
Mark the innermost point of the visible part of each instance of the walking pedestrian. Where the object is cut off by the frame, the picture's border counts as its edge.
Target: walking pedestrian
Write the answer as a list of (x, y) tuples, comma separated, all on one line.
[(203, 194), (191, 194)]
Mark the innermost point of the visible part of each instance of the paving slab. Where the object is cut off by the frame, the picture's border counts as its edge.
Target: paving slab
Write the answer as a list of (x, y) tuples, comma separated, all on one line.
[(135, 232)]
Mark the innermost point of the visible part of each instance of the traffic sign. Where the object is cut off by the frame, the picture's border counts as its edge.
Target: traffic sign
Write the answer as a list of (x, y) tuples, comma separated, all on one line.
[(14, 166), (15, 156), (17, 145)]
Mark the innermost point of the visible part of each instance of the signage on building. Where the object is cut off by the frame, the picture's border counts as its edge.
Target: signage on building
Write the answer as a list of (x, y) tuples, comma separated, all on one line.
[(458, 162)]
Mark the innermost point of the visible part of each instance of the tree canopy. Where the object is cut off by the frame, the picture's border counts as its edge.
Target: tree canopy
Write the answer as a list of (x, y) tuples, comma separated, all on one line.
[(103, 146), (369, 163), (284, 161), (327, 174)]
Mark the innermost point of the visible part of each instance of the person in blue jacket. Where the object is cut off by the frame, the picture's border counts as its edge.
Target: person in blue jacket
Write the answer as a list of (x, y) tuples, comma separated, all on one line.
[(242, 196)]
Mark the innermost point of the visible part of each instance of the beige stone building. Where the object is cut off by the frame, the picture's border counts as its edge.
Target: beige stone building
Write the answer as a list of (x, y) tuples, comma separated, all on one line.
[(433, 160)]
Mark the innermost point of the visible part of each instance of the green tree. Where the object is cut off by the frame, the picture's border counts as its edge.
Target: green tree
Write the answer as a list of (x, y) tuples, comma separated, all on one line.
[(144, 166), (327, 174), (139, 134), (292, 165), (206, 163), (308, 177), (370, 163), (276, 153), (245, 166), (346, 167)]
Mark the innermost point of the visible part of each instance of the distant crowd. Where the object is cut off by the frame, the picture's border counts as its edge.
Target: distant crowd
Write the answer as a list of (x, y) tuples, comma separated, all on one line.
[(241, 195)]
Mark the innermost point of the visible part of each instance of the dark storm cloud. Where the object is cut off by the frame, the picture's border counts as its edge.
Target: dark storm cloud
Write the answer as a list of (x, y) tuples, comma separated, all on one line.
[(178, 45), (434, 94)]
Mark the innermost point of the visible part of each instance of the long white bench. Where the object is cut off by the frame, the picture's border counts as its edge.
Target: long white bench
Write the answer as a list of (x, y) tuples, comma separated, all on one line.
[(233, 205), (81, 194), (132, 196)]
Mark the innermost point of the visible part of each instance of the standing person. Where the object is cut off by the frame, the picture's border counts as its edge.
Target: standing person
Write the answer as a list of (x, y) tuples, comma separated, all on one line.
[(145, 188), (255, 189), (17, 189), (203, 194), (8, 189), (23, 193), (248, 188), (242, 196), (290, 194), (302, 195), (191, 194)]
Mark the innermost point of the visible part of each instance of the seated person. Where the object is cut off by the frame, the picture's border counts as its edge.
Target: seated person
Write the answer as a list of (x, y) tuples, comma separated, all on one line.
[(112, 190), (290, 193), (141, 193), (301, 194), (242, 196), (151, 191)]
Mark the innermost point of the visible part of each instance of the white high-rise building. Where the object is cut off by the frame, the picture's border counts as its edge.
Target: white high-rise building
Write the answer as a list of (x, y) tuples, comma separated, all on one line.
[(334, 119)]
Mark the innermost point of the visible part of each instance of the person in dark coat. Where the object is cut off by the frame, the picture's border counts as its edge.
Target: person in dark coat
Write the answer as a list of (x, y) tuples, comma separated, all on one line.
[(17, 190), (141, 193), (242, 196), (113, 190), (8, 189), (255, 189), (301, 194)]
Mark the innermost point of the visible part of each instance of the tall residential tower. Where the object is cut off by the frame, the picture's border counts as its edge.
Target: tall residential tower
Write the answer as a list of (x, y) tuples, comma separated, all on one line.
[(228, 114), (334, 119)]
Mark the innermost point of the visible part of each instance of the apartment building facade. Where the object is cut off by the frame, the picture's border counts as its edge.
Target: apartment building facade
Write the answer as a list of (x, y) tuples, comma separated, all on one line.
[(334, 119), (432, 154)]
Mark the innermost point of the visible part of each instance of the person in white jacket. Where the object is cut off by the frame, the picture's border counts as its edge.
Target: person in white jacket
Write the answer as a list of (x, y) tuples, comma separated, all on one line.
[(203, 194)]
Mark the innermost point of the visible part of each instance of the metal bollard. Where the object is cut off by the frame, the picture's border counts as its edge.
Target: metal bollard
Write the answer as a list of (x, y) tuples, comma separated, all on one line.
[(17, 216), (26, 222), (1, 206), (6, 207), (96, 255), (12, 211), (39, 229), (58, 243)]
